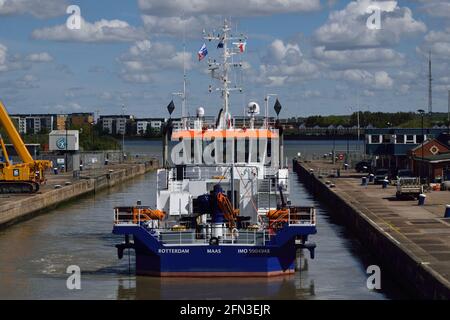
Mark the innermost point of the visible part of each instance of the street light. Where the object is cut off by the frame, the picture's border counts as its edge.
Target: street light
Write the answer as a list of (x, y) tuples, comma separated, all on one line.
[(422, 113), (266, 111), (123, 132)]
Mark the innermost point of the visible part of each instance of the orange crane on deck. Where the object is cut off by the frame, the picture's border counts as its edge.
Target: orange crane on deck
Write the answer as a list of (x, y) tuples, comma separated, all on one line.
[(24, 177)]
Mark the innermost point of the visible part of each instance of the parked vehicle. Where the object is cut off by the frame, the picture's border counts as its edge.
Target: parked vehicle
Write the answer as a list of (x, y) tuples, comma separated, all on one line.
[(364, 167), (405, 173), (381, 175), (409, 187)]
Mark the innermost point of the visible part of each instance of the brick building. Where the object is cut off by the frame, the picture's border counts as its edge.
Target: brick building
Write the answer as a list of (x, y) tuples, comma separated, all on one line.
[(431, 160)]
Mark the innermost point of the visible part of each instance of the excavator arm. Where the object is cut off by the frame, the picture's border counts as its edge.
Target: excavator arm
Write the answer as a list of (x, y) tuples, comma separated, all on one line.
[(5, 152), (23, 177), (14, 136)]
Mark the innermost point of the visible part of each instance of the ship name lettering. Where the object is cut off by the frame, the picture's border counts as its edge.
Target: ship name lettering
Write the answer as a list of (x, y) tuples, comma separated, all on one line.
[(173, 250), (213, 251)]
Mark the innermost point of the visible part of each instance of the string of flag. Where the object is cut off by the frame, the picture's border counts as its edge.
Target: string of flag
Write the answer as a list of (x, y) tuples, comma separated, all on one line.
[(203, 52)]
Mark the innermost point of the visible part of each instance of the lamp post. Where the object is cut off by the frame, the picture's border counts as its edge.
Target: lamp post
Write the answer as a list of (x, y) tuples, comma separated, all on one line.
[(386, 151), (266, 111), (422, 113), (448, 114), (67, 140), (123, 133), (358, 123)]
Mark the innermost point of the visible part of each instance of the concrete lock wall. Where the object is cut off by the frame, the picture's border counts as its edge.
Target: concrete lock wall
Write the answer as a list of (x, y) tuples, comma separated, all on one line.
[(13, 212), (417, 278)]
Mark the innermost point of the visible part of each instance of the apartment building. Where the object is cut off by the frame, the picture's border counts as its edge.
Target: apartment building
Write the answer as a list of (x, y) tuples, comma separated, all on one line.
[(116, 124)]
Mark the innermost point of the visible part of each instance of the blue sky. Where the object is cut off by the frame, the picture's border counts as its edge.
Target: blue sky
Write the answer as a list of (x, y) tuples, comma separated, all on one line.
[(317, 55)]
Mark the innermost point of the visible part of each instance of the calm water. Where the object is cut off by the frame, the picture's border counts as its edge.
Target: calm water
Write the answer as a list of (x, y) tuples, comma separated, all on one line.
[(34, 255)]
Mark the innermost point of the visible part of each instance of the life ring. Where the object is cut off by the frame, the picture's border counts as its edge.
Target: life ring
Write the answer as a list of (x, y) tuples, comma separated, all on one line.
[(235, 232), (214, 241)]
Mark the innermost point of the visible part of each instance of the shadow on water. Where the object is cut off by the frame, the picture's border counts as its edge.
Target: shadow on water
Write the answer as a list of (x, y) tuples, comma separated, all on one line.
[(285, 287)]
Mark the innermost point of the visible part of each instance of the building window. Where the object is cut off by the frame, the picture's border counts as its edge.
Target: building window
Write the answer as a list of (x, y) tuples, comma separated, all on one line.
[(419, 138), (387, 138), (400, 138), (410, 138), (375, 139)]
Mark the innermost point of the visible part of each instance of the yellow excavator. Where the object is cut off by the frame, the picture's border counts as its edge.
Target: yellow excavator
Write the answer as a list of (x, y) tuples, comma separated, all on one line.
[(25, 177)]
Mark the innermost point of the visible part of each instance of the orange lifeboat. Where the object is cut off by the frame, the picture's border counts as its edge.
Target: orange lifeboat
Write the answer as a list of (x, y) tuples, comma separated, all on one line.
[(147, 214)]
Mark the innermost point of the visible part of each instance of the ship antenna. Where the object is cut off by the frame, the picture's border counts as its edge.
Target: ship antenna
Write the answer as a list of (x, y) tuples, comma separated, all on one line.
[(223, 39), (183, 105), (183, 94)]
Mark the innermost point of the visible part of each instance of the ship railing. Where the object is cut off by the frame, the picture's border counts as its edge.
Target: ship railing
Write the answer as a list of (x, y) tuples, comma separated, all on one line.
[(302, 216), (124, 216), (295, 216), (237, 122), (189, 237), (203, 172)]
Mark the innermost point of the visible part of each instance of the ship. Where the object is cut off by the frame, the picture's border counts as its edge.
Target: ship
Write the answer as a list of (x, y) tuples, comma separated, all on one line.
[(222, 197)]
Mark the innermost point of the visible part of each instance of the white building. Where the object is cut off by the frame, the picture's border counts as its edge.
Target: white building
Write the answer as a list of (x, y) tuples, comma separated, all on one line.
[(22, 123), (156, 124), (141, 127), (107, 125), (121, 126)]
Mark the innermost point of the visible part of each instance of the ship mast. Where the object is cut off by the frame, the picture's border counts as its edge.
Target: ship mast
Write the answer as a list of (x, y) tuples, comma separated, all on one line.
[(182, 95), (223, 77)]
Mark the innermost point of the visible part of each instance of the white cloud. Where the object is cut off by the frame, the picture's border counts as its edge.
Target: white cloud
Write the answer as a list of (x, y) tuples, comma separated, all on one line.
[(10, 62), (285, 62), (347, 28), (144, 58), (37, 8), (99, 31), (436, 8), (3, 52), (176, 26), (438, 42), (379, 80), (225, 8), (28, 81), (39, 57), (190, 17), (358, 58), (308, 94)]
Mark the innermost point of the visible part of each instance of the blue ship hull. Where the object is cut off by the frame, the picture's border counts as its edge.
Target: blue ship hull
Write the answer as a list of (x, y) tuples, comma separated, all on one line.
[(276, 257)]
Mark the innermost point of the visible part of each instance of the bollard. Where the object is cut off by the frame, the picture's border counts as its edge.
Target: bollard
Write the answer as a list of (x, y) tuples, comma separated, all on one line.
[(338, 171), (421, 199), (345, 166), (371, 177), (447, 211), (364, 181), (106, 162), (385, 183), (55, 170)]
